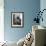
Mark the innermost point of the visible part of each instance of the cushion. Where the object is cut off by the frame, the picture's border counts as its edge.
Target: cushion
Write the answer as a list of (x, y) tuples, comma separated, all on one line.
[(20, 42)]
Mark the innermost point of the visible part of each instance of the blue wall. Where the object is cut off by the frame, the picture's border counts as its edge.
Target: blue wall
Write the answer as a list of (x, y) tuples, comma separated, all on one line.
[(29, 7), (43, 6)]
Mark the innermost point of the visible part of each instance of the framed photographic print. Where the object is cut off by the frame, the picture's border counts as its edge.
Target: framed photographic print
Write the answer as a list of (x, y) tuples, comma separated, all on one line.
[(17, 19)]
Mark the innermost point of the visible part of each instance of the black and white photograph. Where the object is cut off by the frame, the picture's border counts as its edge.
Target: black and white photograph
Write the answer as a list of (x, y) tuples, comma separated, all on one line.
[(17, 19)]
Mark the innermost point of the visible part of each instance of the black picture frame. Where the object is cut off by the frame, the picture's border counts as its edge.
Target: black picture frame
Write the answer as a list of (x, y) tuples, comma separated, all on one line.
[(17, 19)]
